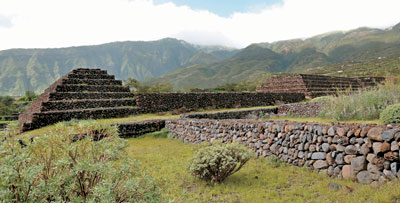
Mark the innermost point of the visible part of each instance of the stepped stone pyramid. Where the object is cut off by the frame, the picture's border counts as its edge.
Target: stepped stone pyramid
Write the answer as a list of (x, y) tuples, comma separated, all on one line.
[(81, 94), (316, 85)]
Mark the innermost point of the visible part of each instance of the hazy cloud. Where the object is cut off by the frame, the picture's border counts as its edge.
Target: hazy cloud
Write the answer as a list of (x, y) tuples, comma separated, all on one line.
[(49, 23), (5, 22)]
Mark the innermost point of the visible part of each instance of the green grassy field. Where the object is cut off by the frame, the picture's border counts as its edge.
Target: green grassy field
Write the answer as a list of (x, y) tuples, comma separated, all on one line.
[(260, 180)]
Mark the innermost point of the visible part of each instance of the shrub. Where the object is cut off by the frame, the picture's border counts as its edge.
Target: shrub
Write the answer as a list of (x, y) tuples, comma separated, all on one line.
[(391, 114), (364, 105), (54, 168), (216, 162)]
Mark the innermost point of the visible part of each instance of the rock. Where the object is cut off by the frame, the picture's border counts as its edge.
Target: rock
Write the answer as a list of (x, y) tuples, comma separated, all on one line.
[(341, 131), (332, 131), (312, 148), (301, 154), (325, 130), (359, 163), (364, 177), (394, 146), (371, 157), (334, 186), (394, 168), (318, 155), (350, 149), (262, 137), (364, 149), (330, 171), (364, 132), (350, 132), (388, 135), (375, 134), (339, 158), (374, 171), (337, 171), (386, 165), (325, 147), (389, 174), (347, 158), (320, 164), (348, 173), (357, 132), (391, 156), (330, 159), (343, 140), (319, 139), (340, 148), (352, 140), (380, 147)]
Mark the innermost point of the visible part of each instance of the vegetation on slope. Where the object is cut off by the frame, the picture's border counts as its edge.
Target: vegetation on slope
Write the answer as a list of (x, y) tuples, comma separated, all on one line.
[(313, 55), (363, 105), (36, 69)]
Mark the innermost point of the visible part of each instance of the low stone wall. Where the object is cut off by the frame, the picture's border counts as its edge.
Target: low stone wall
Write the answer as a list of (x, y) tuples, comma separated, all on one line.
[(150, 103), (127, 130), (366, 153), (310, 109), (245, 114)]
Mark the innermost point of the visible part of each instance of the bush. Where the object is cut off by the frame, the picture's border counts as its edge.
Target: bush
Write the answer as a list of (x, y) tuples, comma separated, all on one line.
[(391, 114), (364, 105), (54, 168), (216, 162)]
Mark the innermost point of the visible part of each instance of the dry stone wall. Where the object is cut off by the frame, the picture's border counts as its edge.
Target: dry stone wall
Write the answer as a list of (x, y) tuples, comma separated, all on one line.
[(149, 103), (131, 130), (316, 85), (366, 153), (255, 113), (309, 109)]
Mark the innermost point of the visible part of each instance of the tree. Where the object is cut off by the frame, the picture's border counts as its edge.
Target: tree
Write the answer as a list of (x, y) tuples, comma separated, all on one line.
[(30, 95), (132, 83)]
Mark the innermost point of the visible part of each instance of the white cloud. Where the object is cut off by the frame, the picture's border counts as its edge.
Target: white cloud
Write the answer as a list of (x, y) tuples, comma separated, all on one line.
[(60, 23)]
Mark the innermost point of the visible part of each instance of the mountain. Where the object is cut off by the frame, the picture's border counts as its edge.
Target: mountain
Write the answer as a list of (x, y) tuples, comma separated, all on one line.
[(322, 54), (36, 69), (192, 66)]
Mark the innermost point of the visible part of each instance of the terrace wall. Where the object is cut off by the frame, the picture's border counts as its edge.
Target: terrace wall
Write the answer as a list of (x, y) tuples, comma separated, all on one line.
[(366, 153), (150, 103)]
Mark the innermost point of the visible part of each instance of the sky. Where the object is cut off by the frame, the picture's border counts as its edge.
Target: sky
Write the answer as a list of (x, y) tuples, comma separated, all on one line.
[(233, 23)]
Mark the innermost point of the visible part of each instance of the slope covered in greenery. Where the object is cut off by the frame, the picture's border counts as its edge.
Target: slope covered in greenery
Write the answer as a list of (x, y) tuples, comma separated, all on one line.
[(318, 55), (36, 69)]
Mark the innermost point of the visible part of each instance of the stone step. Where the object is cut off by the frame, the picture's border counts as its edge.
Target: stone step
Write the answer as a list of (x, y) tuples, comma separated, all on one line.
[(86, 104), (92, 88), (75, 81), (47, 118), (89, 95), (91, 76), (89, 71)]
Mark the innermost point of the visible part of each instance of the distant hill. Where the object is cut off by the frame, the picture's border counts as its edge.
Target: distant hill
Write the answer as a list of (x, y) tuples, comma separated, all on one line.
[(317, 55), (36, 69), (188, 66)]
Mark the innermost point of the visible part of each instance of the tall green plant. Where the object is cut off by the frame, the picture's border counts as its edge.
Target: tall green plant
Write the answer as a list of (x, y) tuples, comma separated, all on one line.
[(55, 167), (363, 105)]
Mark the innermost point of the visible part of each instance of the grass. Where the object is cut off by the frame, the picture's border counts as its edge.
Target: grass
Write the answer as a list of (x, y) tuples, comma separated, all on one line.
[(323, 120), (363, 105), (260, 180)]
